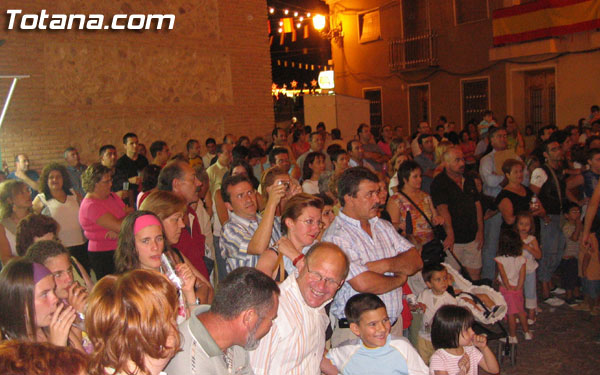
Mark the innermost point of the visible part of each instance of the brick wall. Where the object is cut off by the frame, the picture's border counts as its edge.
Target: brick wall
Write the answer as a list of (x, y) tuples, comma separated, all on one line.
[(208, 76)]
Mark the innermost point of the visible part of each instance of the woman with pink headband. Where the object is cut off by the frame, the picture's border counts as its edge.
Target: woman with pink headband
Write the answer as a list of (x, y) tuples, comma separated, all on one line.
[(29, 309), (141, 245)]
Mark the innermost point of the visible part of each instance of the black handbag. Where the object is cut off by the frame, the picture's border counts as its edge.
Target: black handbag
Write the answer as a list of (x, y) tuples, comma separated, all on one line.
[(432, 252)]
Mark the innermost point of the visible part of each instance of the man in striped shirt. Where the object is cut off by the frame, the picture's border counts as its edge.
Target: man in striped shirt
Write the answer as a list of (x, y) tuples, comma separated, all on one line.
[(380, 259), (296, 342)]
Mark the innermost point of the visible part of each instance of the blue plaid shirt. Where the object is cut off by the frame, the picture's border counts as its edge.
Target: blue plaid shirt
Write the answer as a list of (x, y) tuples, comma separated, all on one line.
[(361, 249), (235, 237)]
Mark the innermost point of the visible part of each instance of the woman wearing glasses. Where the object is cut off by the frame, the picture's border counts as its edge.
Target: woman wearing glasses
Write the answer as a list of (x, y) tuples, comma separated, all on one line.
[(300, 226)]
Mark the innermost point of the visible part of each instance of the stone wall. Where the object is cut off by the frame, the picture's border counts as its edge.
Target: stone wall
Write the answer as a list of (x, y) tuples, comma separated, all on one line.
[(208, 76)]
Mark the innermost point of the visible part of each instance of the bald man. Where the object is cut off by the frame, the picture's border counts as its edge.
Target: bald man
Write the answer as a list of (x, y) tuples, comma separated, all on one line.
[(296, 342), (457, 200)]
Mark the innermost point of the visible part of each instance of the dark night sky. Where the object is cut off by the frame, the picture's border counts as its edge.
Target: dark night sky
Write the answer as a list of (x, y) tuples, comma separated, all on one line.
[(314, 50)]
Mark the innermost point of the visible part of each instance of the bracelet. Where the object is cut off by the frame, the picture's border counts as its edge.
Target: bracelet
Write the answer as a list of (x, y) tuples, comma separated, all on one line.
[(297, 259)]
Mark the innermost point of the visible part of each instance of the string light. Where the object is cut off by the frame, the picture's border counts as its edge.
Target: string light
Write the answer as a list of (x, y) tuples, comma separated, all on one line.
[(280, 23), (301, 19), (286, 12), (271, 10), (308, 14), (295, 14), (280, 30), (298, 25)]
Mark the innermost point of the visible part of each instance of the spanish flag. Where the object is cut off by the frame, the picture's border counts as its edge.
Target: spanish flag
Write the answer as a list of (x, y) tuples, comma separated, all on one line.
[(543, 19)]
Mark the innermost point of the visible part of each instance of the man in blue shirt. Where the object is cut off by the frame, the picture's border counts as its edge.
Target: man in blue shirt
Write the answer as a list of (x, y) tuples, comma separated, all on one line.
[(426, 160), (23, 173)]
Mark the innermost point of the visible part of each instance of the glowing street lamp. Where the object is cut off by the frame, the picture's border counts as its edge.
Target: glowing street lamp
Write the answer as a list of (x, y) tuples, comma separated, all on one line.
[(319, 22)]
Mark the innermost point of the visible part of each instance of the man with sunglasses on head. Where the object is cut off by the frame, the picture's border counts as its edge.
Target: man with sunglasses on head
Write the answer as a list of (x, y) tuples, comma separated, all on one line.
[(380, 259)]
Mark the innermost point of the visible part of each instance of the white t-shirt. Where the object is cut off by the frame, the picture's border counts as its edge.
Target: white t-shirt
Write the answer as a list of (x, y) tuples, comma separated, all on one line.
[(512, 268), (310, 187), (67, 216), (538, 177), (531, 264), (441, 360), (433, 303)]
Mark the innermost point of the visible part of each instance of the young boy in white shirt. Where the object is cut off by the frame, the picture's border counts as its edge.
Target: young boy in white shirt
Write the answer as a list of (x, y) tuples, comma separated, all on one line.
[(377, 352), (430, 300)]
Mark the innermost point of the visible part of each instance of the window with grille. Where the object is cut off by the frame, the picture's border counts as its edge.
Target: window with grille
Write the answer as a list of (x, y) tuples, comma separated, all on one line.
[(536, 107), (374, 98), (475, 99), (552, 105), (470, 11)]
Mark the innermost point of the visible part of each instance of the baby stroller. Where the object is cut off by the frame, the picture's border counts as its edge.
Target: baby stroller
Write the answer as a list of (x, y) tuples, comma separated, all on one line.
[(487, 320)]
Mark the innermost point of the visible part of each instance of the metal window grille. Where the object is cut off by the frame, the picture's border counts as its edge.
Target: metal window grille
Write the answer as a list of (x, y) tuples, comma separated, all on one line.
[(475, 99), (374, 98)]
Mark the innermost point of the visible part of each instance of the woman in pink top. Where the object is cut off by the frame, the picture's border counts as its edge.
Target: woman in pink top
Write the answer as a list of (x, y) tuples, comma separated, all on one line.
[(100, 216)]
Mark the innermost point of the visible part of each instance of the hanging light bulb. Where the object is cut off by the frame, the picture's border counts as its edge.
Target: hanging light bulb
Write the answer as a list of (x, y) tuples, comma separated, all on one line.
[(286, 12), (280, 30), (280, 23), (301, 19), (319, 22), (298, 25), (271, 10), (308, 14), (295, 14)]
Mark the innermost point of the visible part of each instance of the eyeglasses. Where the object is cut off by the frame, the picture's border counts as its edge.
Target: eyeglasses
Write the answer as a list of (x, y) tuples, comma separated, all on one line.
[(311, 222), (317, 277)]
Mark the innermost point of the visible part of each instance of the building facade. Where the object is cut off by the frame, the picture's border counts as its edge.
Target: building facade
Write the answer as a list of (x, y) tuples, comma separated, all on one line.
[(418, 60), (207, 76)]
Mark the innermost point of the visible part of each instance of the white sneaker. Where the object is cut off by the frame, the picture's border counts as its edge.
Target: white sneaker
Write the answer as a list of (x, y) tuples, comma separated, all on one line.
[(511, 339), (528, 336), (558, 291), (554, 301)]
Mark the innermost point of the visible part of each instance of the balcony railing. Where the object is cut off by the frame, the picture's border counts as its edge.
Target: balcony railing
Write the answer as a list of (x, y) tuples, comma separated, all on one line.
[(413, 52)]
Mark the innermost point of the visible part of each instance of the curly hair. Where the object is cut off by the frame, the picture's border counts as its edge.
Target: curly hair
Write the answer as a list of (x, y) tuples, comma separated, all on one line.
[(40, 358), (8, 189), (126, 255), (41, 251), (92, 175), (43, 181), (31, 226), (130, 317)]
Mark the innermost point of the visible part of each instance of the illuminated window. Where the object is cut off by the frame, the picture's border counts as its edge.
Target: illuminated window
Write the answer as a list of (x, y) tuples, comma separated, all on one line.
[(368, 27)]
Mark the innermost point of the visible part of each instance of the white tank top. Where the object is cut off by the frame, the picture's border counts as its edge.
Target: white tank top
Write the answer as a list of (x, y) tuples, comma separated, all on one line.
[(12, 241), (67, 216)]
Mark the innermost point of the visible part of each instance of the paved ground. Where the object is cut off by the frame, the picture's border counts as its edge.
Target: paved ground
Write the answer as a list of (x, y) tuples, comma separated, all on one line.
[(563, 344)]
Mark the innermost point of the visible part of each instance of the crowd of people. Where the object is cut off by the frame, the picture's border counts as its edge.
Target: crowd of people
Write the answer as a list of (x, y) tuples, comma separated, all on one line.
[(298, 253)]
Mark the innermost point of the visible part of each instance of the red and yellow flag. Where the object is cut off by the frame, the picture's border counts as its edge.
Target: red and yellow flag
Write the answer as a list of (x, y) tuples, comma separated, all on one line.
[(543, 19)]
